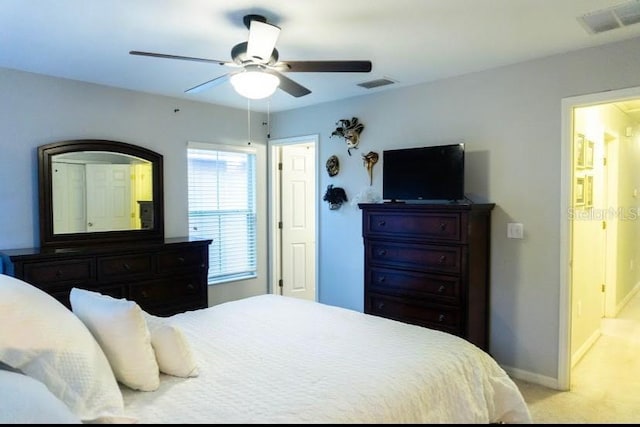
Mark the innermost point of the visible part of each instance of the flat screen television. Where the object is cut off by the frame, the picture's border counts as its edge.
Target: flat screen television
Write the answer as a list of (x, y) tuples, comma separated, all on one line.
[(433, 173)]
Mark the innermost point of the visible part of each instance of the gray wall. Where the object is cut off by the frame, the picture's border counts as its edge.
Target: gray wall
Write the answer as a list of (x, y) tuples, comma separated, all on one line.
[(510, 120)]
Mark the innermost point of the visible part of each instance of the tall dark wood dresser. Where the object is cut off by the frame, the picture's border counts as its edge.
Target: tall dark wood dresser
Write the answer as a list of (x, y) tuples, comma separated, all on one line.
[(428, 264)]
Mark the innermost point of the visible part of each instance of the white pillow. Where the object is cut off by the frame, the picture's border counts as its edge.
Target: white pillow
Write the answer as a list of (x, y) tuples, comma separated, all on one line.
[(42, 338), (171, 347), (26, 400), (119, 327)]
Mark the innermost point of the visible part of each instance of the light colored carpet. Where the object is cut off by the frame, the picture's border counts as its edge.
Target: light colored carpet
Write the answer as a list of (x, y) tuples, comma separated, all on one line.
[(605, 384)]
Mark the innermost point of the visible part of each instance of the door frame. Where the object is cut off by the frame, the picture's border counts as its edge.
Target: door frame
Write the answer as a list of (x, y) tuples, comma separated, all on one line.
[(273, 192), (566, 168)]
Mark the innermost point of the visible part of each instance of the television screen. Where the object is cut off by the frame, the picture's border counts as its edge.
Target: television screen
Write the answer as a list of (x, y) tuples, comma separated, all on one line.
[(425, 173)]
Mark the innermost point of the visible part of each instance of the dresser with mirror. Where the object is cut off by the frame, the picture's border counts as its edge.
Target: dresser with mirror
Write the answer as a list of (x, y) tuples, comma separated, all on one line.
[(101, 220)]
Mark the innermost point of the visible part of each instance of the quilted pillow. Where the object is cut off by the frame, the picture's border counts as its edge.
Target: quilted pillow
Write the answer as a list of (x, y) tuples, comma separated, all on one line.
[(121, 330), (42, 338), (171, 347)]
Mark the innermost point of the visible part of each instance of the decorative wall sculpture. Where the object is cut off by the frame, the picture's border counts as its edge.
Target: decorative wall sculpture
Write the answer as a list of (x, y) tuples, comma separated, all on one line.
[(333, 165), (370, 159), (335, 196), (350, 130)]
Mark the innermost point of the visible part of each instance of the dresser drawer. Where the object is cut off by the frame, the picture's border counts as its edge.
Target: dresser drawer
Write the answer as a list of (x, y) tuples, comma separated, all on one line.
[(186, 259), (180, 289), (415, 225), (79, 270), (123, 266), (436, 258), (444, 289), (448, 319)]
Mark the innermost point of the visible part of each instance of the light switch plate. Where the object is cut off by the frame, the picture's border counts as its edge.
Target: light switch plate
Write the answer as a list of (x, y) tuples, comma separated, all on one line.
[(515, 230)]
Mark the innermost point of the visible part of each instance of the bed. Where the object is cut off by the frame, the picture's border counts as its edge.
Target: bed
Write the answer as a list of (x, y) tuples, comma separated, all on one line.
[(264, 359)]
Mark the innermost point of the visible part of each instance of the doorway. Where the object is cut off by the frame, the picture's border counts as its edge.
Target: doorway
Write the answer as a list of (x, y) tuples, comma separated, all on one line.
[(598, 188), (293, 228)]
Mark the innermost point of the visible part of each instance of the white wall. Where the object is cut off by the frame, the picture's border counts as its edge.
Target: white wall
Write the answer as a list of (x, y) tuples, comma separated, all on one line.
[(36, 110), (510, 120)]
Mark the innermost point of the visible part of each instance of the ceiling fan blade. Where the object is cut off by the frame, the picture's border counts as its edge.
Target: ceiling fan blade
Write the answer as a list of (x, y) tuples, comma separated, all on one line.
[(184, 58), (262, 40), (327, 66), (289, 86), (208, 85)]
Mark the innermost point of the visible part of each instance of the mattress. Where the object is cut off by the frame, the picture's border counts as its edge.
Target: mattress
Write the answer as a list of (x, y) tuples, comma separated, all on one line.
[(276, 359)]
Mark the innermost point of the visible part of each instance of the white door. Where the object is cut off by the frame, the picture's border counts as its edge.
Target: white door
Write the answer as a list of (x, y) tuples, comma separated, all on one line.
[(297, 207), (69, 205), (108, 197)]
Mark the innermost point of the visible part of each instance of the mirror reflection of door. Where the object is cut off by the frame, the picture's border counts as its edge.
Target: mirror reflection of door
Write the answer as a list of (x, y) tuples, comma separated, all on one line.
[(69, 203), (90, 194), (108, 197)]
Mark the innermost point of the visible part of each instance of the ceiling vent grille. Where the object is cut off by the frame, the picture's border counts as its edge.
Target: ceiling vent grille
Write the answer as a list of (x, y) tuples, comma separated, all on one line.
[(612, 18), (376, 83)]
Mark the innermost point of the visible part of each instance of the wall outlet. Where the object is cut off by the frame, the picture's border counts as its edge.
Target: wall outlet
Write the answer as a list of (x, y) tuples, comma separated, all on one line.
[(515, 230)]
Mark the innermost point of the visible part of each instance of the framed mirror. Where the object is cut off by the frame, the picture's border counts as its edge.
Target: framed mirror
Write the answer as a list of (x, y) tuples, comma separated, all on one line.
[(99, 191)]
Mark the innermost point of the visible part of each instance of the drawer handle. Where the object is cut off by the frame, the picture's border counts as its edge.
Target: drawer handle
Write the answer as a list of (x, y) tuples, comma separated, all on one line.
[(144, 294), (382, 223), (441, 318), (126, 266), (380, 305), (181, 260), (443, 226), (190, 286), (441, 289), (381, 279), (58, 273), (442, 259), (382, 252)]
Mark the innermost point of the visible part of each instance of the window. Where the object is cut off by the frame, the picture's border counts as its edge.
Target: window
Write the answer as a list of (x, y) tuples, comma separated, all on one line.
[(222, 207)]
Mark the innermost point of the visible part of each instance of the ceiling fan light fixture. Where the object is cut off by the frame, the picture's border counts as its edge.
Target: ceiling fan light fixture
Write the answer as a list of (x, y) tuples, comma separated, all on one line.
[(255, 84)]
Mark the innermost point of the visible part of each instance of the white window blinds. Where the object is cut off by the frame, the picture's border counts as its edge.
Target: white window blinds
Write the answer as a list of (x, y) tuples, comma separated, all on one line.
[(222, 207)]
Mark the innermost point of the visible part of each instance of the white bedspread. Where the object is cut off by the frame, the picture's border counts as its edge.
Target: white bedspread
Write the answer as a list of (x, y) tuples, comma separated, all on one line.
[(273, 359)]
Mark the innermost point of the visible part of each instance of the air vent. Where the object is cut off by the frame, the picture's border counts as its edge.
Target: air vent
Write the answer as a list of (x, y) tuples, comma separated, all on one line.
[(376, 83), (612, 18)]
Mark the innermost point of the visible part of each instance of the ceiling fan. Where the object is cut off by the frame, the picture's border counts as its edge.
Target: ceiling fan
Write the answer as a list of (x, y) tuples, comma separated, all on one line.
[(258, 58)]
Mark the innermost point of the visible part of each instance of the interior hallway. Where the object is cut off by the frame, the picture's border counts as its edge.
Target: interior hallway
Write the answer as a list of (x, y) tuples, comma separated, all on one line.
[(605, 384)]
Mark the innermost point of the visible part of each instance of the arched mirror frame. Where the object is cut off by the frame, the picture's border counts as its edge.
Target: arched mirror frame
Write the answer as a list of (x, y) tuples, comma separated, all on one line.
[(47, 236)]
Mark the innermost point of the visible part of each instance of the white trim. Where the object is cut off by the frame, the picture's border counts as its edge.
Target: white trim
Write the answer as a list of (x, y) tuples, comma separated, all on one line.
[(564, 324), (273, 210), (531, 377), (218, 147)]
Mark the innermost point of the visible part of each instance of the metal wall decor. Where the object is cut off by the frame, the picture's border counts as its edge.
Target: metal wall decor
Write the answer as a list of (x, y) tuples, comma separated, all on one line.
[(333, 165), (370, 159), (350, 130)]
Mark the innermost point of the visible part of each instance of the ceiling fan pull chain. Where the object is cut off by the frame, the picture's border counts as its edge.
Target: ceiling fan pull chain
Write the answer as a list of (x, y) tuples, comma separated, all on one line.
[(269, 118), (249, 119)]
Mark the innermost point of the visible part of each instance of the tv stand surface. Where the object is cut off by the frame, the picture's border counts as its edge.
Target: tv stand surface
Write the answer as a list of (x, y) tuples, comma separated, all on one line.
[(429, 202)]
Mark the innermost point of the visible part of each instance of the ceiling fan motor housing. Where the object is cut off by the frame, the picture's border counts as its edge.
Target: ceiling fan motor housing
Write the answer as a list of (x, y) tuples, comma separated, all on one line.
[(240, 57)]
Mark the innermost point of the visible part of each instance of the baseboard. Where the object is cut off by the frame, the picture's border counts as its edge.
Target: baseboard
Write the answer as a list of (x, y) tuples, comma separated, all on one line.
[(533, 378), (585, 347)]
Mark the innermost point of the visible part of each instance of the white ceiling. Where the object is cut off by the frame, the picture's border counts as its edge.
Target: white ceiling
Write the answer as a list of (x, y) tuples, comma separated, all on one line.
[(408, 41)]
